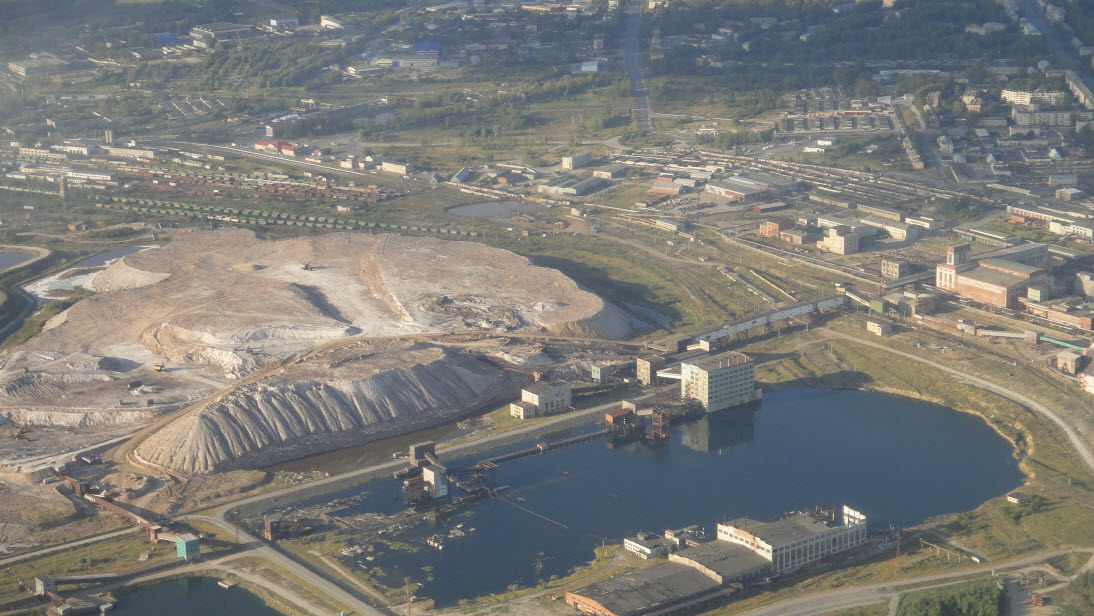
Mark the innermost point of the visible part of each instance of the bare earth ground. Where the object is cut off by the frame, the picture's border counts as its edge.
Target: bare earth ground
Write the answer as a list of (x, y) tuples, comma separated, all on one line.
[(218, 307)]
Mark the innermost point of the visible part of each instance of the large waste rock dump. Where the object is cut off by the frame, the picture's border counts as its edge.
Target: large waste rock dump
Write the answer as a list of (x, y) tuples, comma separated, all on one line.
[(333, 399), (169, 327)]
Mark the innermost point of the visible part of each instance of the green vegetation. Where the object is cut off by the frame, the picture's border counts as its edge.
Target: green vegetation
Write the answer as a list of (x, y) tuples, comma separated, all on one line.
[(980, 598), (1070, 563), (880, 609), (119, 555), (1078, 599), (1015, 513)]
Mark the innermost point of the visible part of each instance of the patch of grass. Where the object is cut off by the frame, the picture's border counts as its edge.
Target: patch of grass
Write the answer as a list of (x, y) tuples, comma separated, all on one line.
[(1078, 598), (879, 609), (117, 555), (978, 598), (283, 579), (1070, 563)]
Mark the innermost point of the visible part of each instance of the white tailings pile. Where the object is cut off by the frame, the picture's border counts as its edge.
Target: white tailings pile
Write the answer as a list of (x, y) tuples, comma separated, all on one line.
[(216, 306), (332, 400)]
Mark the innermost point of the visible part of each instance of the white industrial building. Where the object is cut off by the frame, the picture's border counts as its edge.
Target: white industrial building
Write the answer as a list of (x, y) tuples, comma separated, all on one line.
[(437, 477), (648, 545), (577, 161), (719, 381), (400, 168), (797, 539), (542, 398)]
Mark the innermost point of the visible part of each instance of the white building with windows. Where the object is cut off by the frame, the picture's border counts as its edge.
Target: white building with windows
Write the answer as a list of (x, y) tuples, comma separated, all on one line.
[(648, 545), (542, 398), (797, 539), (719, 381)]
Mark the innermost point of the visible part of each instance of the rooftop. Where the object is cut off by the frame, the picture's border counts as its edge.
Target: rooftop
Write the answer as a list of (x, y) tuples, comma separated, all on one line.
[(637, 592), (994, 277), (721, 360), (729, 560), (1011, 266), (792, 528), (1003, 253), (540, 387)]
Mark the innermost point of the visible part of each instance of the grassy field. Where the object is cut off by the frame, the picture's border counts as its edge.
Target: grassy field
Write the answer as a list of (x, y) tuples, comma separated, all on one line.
[(977, 598), (281, 578), (120, 555), (880, 609)]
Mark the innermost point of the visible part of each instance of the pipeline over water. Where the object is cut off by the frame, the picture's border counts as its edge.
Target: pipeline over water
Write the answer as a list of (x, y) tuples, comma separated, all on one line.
[(545, 447)]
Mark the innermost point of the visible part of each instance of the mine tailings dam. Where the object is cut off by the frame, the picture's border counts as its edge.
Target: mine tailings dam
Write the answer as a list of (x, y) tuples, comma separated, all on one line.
[(891, 457)]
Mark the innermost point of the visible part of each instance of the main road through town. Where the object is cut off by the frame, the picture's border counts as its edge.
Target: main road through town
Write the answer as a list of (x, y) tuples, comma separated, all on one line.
[(630, 63)]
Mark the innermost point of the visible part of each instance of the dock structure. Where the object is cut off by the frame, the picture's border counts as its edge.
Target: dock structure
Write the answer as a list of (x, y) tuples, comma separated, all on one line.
[(424, 477)]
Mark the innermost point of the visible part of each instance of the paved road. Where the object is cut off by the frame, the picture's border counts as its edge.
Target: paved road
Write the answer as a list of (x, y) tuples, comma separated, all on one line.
[(630, 63), (219, 518), (264, 551), (1058, 48), (67, 546), (834, 601)]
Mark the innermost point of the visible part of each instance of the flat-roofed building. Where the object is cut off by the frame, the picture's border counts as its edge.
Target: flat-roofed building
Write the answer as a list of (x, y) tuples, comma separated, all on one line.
[(719, 381), (647, 367), (647, 590), (648, 545), (542, 398), (399, 168), (990, 280), (840, 240), (576, 161), (723, 561), (219, 30), (895, 268), (797, 539), (571, 184), (774, 228), (881, 212)]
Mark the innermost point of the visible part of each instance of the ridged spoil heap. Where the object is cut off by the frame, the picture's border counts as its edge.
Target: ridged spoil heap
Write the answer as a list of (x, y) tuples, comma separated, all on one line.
[(331, 400), (216, 306)]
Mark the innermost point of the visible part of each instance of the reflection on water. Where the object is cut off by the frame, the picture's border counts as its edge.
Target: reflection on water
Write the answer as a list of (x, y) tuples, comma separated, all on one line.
[(721, 430), (190, 596), (888, 456)]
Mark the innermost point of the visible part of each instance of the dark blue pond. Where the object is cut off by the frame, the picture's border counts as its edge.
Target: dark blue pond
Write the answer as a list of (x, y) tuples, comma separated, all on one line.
[(898, 460), (190, 596)]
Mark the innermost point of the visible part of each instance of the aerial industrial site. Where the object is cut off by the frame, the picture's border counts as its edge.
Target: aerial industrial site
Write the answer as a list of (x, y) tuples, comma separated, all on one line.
[(614, 308)]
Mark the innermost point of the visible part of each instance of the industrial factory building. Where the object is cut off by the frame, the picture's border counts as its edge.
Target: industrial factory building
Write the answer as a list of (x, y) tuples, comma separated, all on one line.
[(998, 277), (797, 539), (708, 573), (542, 398), (719, 381)]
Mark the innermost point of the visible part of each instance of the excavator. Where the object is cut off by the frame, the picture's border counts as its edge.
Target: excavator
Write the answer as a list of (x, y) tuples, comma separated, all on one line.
[(306, 267), (159, 367)]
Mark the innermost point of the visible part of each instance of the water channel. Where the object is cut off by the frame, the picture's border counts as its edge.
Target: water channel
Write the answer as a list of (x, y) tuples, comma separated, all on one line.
[(11, 259), (897, 459), (189, 596)]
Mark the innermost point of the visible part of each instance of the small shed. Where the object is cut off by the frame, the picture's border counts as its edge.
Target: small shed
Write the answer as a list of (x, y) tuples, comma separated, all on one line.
[(619, 416)]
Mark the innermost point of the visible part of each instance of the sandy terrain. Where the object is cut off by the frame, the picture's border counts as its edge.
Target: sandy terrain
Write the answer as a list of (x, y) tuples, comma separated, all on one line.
[(216, 306)]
